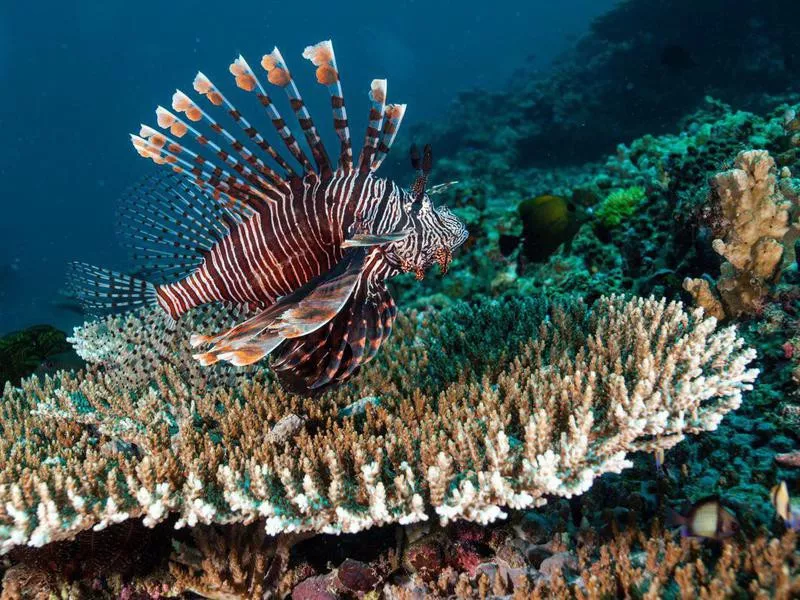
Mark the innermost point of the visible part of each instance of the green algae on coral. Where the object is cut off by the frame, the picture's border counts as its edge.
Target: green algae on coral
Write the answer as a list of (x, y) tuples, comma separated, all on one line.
[(619, 205)]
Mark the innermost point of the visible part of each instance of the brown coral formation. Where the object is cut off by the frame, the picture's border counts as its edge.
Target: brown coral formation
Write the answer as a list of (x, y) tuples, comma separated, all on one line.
[(157, 440), (237, 561), (634, 565), (760, 228)]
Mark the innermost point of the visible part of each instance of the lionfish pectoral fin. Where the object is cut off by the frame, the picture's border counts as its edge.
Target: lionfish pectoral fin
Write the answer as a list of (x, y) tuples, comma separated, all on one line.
[(252, 351), (367, 239), (325, 301), (101, 291), (298, 314), (337, 351)]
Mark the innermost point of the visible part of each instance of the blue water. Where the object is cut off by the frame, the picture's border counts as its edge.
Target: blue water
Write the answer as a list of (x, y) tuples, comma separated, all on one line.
[(77, 77)]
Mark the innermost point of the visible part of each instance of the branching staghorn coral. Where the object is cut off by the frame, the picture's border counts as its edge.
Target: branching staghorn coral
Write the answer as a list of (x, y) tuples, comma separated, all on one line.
[(635, 565), (472, 411), (760, 223)]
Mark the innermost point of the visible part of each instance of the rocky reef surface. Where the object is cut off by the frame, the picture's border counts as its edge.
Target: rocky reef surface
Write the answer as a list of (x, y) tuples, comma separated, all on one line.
[(642, 67)]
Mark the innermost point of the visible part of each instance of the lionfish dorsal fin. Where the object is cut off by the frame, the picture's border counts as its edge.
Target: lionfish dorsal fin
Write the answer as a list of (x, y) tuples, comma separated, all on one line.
[(230, 180), (393, 116), (278, 74), (323, 58), (247, 80), (230, 189), (244, 173), (377, 97), (252, 170), (203, 85)]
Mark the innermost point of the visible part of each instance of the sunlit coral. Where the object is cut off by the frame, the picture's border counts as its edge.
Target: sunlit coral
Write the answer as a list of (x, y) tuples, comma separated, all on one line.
[(566, 393)]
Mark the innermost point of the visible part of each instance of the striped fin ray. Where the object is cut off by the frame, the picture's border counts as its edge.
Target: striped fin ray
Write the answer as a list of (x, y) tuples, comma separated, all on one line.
[(166, 119), (102, 290), (165, 151), (181, 103), (334, 353), (246, 79), (278, 74), (203, 85), (322, 56), (299, 351), (170, 229), (393, 116), (369, 329), (377, 96)]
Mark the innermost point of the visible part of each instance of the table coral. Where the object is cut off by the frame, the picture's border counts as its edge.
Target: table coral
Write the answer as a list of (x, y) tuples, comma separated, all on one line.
[(553, 406)]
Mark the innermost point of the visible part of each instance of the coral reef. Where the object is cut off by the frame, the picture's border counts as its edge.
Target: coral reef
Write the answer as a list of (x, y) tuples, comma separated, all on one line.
[(501, 447), (582, 390), (22, 352), (759, 229), (462, 560), (666, 240)]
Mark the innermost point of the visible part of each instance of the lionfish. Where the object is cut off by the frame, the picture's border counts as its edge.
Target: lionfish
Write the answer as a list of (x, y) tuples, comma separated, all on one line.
[(307, 245)]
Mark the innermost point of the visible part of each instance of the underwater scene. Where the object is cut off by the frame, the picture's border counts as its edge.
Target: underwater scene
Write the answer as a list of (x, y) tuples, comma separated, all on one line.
[(404, 301)]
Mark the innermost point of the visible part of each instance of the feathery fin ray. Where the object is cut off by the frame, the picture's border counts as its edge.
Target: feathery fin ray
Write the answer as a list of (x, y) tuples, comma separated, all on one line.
[(377, 97), (323, 58), (278, 74), (246, 79), (299, 314)]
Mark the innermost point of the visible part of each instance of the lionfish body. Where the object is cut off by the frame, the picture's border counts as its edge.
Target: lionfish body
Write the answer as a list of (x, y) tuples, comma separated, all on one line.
[(309, 248)]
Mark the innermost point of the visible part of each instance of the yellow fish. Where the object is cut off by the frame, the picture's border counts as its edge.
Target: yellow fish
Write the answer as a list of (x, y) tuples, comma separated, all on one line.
[(790, 513), (547, 222)]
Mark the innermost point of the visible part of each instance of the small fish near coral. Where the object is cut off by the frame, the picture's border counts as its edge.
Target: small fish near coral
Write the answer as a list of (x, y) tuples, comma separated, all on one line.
[(788, 511), (308, 245), (548, 221), (706, 519)]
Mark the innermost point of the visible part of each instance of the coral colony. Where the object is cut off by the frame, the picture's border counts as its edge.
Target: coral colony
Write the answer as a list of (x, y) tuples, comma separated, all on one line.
[(599, 400)]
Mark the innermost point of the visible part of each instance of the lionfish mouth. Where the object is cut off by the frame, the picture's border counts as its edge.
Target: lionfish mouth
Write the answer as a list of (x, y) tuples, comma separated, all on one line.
[(441, 256)]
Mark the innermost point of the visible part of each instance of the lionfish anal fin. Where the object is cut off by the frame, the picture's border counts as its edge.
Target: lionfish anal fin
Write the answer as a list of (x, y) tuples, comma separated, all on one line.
[(337, 350)]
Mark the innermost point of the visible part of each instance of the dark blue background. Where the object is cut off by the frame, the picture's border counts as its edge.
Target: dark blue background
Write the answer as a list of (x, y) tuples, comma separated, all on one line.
[(77, 77)]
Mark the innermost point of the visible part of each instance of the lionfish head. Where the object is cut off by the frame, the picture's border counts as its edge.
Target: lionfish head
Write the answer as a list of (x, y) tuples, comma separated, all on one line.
[(435, 231)]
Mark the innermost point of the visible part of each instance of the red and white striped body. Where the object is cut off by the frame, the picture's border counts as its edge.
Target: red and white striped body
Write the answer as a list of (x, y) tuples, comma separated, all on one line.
[(286, 244)]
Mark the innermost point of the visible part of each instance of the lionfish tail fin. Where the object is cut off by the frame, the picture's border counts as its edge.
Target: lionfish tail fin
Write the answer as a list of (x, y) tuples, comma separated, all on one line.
[(101, 291)]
